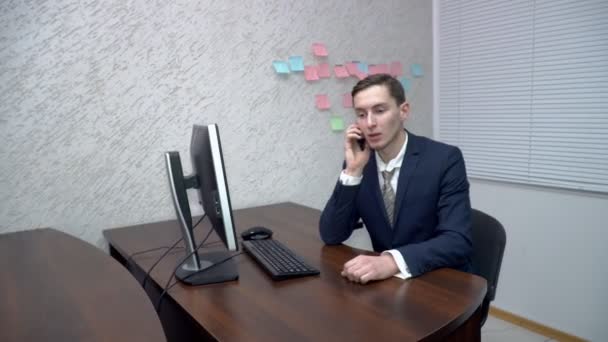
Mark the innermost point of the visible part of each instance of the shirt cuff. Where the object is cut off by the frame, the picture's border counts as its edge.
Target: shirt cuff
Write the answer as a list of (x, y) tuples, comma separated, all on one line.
[(349, 180), (404, 271)]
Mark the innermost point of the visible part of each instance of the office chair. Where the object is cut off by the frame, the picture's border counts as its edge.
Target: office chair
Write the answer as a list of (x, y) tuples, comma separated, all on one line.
[(489, 239)]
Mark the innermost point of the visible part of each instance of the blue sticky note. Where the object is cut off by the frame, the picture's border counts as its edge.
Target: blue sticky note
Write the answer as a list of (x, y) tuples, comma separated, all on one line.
[(405, 83), (363, 67), (416, 70), (296, 63), (280, 67)]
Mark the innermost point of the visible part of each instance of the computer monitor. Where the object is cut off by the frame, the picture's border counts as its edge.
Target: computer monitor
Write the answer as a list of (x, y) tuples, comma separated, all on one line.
[(209, 178)]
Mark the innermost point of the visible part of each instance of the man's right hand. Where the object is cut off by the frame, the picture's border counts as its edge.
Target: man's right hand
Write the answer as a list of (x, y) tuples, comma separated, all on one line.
[(355, 157)]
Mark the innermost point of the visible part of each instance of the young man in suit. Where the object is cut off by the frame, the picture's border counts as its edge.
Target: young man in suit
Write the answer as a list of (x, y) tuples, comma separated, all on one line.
[(411, 192)]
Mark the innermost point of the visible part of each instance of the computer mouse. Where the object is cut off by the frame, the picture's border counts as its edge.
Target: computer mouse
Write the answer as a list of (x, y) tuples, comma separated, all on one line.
[(257, 233)]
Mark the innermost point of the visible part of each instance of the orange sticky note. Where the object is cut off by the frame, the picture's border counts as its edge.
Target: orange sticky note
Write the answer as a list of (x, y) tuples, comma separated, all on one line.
[(347, 100), (319, 49), (340, 71), (310, 73), (322, 101), (323, 70)]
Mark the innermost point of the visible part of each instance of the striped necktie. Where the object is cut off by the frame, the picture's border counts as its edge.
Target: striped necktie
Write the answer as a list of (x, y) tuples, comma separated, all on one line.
[(388, 195)]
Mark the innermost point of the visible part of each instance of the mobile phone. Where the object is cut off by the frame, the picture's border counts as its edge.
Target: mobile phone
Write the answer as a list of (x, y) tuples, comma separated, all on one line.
[(361, 143)]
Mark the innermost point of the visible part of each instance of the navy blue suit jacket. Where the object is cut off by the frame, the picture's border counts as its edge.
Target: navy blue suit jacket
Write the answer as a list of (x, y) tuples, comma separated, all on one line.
[(432, 209)]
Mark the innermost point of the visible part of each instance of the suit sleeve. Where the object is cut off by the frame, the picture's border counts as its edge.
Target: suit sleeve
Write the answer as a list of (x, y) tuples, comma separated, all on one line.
[(451, 245), (340, 215)]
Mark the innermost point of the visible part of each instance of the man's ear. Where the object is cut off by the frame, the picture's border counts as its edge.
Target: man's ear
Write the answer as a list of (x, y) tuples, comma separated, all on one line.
[(404, 111)]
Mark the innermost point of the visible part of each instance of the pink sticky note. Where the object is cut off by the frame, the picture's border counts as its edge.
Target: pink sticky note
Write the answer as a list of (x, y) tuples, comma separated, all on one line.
[(396, 69), (383, 68), (352, 68), (322, 101), (310, 73), (323, 70), (319, 49), (347, 100), (373, 69), (340, 71)]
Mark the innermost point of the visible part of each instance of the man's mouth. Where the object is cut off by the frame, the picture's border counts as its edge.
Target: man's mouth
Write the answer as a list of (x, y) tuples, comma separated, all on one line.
[(373, 136)]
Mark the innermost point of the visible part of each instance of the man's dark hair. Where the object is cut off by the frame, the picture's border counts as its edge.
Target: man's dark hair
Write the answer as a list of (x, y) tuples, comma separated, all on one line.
[(394, 86)]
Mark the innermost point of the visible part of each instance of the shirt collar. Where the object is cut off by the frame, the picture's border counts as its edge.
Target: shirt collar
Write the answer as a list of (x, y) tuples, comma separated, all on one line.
[(395, 162)]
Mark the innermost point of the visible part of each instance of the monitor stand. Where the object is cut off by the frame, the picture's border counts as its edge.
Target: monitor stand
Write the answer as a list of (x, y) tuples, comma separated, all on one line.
[(218, 271)]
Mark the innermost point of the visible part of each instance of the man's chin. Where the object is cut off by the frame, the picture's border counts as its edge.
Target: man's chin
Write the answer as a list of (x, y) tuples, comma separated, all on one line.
[(375, 147)]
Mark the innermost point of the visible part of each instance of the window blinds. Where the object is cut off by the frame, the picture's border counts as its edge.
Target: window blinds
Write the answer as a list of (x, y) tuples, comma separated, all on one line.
[(523, 89)]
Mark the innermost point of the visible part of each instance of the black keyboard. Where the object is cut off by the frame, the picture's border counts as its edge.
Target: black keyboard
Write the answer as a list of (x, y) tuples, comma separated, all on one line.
[(277, 260)]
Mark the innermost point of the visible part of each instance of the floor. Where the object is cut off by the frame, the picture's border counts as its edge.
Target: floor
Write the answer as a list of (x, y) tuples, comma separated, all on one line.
[(496, 330)]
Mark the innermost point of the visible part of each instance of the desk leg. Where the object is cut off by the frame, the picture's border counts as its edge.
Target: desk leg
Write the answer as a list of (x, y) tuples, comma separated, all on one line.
[(470, 330)]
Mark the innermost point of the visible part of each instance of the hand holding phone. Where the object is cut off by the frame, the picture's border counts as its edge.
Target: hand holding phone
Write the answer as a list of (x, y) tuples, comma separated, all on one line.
[(361, 143), (356, 151)]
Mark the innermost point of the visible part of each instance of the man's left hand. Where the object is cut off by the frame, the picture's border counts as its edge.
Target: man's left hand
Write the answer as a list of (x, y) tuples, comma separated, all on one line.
[(365, 268)]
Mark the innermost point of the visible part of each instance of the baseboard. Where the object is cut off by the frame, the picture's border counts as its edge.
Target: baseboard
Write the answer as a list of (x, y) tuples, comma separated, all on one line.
[(533, 326)]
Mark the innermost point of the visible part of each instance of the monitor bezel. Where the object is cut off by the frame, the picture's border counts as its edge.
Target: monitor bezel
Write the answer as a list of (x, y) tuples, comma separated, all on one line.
[(222, 188)]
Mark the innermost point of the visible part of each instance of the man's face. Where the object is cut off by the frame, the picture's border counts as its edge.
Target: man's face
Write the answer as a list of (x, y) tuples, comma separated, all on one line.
[(378, 116)]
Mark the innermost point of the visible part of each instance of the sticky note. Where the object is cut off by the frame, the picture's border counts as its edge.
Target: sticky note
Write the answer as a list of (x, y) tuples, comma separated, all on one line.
[(336, 123), (340, 71), (363, 67), (322, 101), (396, 69), (347, 100), (310, 73), (416, 70), (352, 68), (280, 67), (373, 69), (382, 68), (319, 49), (296, 63), (323, 70), (405, 83)]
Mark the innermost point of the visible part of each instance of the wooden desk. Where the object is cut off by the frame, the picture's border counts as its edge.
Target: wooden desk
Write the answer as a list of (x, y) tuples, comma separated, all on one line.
[(441, 305), (54, 287)]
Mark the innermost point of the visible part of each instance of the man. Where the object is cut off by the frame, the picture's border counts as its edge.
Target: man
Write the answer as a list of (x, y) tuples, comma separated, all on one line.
[(411, 192)]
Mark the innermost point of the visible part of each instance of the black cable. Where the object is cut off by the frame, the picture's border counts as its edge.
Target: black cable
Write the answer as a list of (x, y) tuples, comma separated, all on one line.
[(131, 257), (148, 251), (166, 290), (180, 264), (143, 283)]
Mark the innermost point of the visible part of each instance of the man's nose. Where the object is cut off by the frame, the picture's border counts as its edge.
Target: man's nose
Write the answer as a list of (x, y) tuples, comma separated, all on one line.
[(371, 121)]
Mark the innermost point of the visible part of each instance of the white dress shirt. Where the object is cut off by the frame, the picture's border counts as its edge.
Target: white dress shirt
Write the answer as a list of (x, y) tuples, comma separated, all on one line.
[(393, 164)]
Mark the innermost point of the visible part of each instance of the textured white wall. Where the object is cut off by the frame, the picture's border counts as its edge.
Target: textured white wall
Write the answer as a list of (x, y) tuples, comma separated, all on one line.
[(93, 92)]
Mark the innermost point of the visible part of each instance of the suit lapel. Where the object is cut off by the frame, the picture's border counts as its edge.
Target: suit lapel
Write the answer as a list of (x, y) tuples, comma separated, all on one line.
[(408, 166)]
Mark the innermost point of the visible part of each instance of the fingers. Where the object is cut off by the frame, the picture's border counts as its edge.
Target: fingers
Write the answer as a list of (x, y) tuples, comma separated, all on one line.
[(353, 132), (352, 262), (359, 270)]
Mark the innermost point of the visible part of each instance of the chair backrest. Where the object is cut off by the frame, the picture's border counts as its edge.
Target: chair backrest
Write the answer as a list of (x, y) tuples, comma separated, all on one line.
[(489, 239)]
